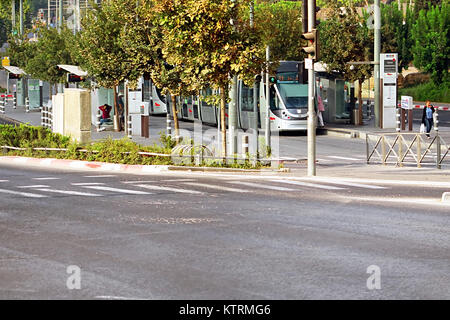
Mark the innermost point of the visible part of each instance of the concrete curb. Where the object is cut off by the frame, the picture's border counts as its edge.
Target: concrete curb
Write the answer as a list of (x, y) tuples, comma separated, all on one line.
[(14, 121), (344, 133), (114, 167)]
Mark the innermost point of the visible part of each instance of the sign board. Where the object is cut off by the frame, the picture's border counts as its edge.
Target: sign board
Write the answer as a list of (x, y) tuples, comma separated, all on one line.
[(388, 66), (5, 62), (308, 64), (407, 102), (389, 73)]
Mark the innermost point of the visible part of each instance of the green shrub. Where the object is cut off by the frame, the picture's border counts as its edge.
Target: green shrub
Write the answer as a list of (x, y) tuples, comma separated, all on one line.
[(428, 91)]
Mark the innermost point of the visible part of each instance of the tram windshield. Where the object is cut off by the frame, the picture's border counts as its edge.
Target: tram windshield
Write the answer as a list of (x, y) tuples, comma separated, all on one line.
[(295, 96)]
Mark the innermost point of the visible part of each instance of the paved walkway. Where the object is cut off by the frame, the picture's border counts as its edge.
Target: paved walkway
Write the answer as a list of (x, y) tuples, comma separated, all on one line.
[(344, 130)]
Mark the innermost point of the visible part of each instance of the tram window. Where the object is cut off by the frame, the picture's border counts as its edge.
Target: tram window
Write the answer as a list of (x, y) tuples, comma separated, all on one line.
[(160, 95), (274, 102), (146, 90), (294, 95), (247, 98)]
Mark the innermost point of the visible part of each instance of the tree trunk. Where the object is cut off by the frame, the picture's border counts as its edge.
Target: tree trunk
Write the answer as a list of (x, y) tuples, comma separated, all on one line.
[(116, 111), (223, 99), (360, 102), (175, 118)]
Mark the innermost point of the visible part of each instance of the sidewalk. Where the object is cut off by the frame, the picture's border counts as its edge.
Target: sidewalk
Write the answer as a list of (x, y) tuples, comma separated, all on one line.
[(368, 127), (340, 130)]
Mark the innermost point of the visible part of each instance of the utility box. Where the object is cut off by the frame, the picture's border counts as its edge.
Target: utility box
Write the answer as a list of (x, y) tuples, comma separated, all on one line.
[(77, 114), (58, 113)]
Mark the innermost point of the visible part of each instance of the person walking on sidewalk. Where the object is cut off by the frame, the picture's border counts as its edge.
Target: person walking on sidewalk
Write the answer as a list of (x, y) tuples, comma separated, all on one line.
[(427, 117), (320, 110)]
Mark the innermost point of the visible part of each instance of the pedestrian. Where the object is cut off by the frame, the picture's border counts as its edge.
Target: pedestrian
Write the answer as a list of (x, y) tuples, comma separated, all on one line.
[(427, 117), (121, 111), (105, 109), (320, 110)]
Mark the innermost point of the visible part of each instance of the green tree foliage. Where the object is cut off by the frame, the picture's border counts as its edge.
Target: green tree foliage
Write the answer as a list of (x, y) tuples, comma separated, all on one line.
[(20, 50), (344, 37), (396, 32), (99, 50), (5, 18), (200, 37), (51, 49), (431, 47), (279, 25)]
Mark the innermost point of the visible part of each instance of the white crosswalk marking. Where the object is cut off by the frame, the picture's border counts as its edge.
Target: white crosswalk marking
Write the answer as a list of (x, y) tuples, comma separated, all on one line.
[(151, 187), (70, 192), (87, 184), (221, 188), (345, 183), (344, 158), (127, 191), (4, 180), (306, 184), (23, 194), (134, 182), (256, 185), (101, 176), (33, 186), (46, 178), (179, 180)]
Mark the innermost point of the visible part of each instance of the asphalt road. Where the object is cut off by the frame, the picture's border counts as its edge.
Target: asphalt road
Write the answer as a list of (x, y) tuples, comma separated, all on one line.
[(196, 236)]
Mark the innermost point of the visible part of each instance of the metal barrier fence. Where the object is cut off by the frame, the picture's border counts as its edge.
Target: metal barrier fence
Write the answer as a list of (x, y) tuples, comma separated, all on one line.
[(406, 148)]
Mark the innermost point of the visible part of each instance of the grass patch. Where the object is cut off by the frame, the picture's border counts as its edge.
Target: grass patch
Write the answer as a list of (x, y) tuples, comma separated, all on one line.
[(123, 151), (428, 91)]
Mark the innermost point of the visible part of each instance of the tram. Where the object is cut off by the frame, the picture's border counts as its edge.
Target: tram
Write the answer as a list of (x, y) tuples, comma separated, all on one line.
[(288, 101)]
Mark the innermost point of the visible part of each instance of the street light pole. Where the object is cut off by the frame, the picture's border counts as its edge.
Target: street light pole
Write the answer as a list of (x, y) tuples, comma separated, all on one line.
[(311, 112), (13, 15), (377, 49), (267, 124), (21, 16)]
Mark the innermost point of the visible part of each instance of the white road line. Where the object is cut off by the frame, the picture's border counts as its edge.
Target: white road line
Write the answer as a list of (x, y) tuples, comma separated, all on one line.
[(404, 200), (306, 184), (127, 191), (344, 158), (102, 176), (117, 298), (24, 194), (179, 180), (72, 193), (344, 183), (87, 184), (221, 188), (135, 182), (151, 187), (34, 186), (4, 180), (47, 178), (422, 183), (256, 185), (326, 160)]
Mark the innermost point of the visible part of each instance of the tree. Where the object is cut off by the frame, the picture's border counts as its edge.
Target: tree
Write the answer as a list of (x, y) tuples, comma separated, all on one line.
[(344, 37), (431, 47), (396, 33), (200, 38), (51, 49), (280, 26), (99, 50)]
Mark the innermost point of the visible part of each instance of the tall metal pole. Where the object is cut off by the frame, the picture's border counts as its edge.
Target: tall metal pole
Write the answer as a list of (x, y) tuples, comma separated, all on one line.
[(13, 15), (377, 49), (311, 111), (267, 124), (254, 120), (49, 20), (21, 16), (60, 25), (232, 121)]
